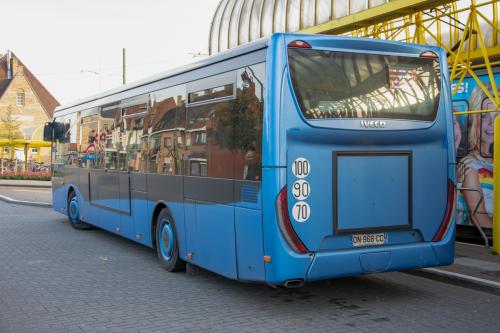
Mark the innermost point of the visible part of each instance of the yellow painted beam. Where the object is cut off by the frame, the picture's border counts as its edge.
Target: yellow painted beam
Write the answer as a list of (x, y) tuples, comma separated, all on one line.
[(378, 14), (477, 54), (24, 143), (459, 113)]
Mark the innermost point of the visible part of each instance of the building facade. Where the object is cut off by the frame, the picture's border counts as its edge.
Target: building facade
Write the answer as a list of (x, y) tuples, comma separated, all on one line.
[(25, 106)]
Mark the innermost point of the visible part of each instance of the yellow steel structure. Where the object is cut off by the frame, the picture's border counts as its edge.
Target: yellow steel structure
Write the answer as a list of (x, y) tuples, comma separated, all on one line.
[(467, 30)]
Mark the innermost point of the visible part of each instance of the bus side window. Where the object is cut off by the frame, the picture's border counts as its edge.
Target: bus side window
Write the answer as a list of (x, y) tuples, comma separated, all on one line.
[(247, 121), (109, 139), (89, 150), (166, 128), (134, 113), (65, 152), (209, 128)]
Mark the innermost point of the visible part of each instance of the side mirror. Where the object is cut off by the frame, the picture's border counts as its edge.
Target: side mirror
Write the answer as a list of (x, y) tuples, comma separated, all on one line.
[(55, 132), (48, 131), (60, 132)]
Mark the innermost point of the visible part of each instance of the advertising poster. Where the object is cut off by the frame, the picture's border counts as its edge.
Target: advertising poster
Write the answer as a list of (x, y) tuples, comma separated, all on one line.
[(474, 149)]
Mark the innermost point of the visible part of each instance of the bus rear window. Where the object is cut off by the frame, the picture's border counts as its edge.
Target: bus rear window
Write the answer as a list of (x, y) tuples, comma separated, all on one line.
[(332, 85)]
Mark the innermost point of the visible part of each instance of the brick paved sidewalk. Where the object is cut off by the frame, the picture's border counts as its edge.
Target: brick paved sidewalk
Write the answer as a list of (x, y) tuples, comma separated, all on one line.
[(55, 279)]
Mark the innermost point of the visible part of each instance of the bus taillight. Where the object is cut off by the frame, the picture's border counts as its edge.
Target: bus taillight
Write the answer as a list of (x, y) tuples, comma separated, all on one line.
[(448, 214), (299, 44), (285, 224), (429, 54)]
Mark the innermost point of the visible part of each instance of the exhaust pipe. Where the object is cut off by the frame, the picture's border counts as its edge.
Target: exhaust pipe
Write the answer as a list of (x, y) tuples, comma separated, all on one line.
[(294, 283)]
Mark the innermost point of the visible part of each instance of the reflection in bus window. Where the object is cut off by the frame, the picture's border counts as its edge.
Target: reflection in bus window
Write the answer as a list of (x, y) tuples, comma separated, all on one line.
[(133, 124), (166, 131), (247, 122), (223, 138), (223, 91), (209, 130), (109, 137), (332, 85), (65, 151), (89, 154)]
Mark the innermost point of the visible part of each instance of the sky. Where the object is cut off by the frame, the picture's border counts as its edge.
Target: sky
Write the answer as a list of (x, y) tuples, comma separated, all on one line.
[(74, 47)]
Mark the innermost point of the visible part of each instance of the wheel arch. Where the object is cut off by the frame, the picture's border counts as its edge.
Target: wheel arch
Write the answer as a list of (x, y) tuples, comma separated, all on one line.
[(160, 205), (71, 188)]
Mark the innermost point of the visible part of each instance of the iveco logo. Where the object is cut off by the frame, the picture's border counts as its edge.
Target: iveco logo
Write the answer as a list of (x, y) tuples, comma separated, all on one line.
[(373, 123)]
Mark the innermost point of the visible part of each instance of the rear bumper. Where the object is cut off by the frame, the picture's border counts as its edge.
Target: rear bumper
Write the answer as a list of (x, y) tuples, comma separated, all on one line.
[(327, 265)]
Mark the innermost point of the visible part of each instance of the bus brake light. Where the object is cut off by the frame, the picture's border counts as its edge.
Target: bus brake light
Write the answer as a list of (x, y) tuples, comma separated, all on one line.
[(299, 44), (285, 225), (448, 214), (429, 54)]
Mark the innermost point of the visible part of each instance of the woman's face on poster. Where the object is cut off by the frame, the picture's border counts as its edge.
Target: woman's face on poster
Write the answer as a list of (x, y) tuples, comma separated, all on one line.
[(486, 126)]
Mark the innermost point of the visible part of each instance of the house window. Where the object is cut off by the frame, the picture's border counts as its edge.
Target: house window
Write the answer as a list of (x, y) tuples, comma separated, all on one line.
[(34, 150), (200, 138), (20, 98)]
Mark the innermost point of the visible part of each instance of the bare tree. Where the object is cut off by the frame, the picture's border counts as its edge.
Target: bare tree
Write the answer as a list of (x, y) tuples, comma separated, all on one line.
[(9, 130)]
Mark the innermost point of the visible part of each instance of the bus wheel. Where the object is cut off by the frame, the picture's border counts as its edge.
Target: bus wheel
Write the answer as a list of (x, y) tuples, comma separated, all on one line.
[(74, 213), (166, 243)]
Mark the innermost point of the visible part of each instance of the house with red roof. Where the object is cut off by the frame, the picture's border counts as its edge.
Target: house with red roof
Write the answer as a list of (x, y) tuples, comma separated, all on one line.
[(25, 103)]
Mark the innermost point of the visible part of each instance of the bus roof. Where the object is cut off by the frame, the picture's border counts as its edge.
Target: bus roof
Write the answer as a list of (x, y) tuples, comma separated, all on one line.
[(247, 48)]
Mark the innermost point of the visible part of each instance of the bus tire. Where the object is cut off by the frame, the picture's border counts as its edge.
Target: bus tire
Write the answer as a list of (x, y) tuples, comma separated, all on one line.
[(74, 213), (167, 247)]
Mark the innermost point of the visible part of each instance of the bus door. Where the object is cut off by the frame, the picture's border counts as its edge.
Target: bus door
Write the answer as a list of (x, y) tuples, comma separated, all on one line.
[(209, 170), (133, 183), (367, 149), (109, 183)]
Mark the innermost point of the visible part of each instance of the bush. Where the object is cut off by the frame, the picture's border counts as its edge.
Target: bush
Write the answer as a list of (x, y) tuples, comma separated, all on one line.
[(26, 176)]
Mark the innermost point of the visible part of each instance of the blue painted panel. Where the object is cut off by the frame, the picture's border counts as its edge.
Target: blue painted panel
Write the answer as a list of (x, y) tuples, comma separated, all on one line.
[(327, 265), (59, 197), (215, 238), (249, 244), (190, 226), (105, 218), (372, 191)]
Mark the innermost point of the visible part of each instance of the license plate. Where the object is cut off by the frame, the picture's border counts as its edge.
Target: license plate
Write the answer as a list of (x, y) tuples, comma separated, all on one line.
[(368, 239)]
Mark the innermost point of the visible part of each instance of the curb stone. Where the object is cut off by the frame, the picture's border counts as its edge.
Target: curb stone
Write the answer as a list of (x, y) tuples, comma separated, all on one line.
[(25, 203), (26, 185)]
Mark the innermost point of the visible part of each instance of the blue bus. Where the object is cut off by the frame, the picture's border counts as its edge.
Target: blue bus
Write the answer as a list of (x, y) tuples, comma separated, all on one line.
[(291, 159)]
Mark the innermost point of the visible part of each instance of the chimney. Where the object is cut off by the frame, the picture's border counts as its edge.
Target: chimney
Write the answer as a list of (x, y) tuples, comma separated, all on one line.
[(16, 68), (9, 65)]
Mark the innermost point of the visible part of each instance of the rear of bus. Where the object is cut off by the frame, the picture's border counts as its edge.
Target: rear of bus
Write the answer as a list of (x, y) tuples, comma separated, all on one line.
[(360, 175)]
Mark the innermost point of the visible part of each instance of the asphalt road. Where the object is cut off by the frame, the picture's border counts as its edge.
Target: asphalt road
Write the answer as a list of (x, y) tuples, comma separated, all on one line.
[(57, 279)]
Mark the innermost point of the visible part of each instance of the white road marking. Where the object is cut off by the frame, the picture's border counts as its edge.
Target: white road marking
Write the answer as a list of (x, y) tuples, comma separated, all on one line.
[(470, 244), (463, 277), (39, 191)]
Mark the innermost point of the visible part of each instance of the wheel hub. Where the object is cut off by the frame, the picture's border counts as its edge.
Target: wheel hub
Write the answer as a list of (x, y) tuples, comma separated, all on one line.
[(166, 240), (74, 211)]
